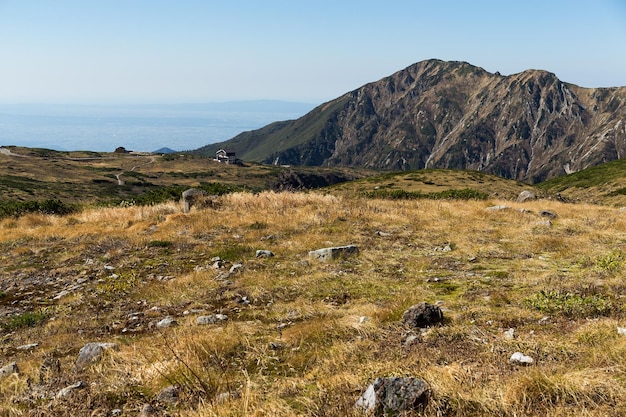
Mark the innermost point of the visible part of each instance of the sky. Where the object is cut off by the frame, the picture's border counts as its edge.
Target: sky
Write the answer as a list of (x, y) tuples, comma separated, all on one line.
[(169, 51)]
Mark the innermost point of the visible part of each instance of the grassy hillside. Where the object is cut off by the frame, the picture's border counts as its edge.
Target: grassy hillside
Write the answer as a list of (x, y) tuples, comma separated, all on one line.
[(603, 184), (303, 337), (436, 181), (101, 178)]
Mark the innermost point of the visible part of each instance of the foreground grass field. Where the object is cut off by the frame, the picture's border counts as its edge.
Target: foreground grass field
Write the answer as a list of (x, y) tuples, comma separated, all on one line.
[(303, 337)]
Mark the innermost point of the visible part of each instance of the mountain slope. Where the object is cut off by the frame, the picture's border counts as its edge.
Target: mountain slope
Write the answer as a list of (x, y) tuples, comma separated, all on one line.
[(435, 114)]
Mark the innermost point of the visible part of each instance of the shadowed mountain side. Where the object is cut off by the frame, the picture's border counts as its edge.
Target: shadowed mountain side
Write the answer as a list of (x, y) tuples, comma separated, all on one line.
[(435, 114)]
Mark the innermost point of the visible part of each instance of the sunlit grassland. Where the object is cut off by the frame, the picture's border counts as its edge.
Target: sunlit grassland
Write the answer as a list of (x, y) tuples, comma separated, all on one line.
[(305, 337)]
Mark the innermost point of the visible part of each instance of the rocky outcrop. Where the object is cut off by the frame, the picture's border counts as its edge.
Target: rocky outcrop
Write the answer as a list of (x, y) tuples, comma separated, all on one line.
[(435, 114)]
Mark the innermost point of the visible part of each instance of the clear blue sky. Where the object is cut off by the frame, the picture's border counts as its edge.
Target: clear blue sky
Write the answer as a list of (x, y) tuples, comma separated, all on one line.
[(143, 51)]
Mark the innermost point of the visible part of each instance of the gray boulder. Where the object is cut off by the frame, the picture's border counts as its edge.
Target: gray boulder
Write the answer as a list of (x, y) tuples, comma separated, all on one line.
[(166, 322), (422, 315), (192, 197), (526, 195), (9, 369), (327, 254), (211, 319), (392, 396), (91, 353)]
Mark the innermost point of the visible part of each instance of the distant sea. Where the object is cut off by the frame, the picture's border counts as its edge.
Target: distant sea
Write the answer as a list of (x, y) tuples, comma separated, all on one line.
[(144, 128)]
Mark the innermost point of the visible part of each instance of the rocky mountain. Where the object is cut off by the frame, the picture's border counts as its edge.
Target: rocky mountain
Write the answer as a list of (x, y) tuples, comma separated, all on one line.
[(436, 114)]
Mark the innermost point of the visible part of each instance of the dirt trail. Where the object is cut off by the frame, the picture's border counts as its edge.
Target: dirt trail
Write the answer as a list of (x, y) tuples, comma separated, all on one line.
[(120, 181)]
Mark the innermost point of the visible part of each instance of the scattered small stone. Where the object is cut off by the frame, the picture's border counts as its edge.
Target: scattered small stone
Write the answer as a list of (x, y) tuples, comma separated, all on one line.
[(166, 322), (169, 395), (50, 368), (621, 331), (393, 396), (211, 319), (497, 208), (236, 268), (276, 345), (61, 294), (9, 369), (147, 411), (519, 358), (109, 268), (422, 315), (116, 412), (509, 334), (411, 339), (262, 253), (29, 346), (382, 234), (548, 213), (67, 390), (327, 254), (90, 353), (227, 396)]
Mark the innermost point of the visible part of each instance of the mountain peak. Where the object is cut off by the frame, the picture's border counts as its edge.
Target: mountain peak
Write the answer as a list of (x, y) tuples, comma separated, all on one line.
[(528, 126)]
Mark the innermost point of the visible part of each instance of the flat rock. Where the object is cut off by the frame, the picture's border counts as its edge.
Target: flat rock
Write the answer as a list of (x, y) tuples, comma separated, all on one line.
[(166, 322), (262, 253), (518, 358), (91, 353), (9, 369), (67, 390), (211, 319), (327, 254)]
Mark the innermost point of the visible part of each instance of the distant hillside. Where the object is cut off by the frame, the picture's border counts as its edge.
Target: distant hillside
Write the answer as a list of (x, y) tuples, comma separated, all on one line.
[(604, 184), (434, 114)]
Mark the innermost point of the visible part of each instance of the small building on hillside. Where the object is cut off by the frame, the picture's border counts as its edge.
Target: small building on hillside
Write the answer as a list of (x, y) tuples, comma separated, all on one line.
[(228, 157)]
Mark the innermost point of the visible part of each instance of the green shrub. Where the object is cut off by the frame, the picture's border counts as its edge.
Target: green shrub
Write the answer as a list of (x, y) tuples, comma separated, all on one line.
[(571, 305), (462, 194), (49, 206), (27, 319)]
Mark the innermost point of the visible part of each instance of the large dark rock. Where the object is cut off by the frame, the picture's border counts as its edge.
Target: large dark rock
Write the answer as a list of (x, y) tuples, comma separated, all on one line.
[(392, 396), (422, 315)]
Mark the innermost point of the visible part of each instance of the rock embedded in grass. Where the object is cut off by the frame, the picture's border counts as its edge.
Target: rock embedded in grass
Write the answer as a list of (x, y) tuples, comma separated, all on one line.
[(166, 322), (9, 369), (518, 358), (91, 353), (328, 254), (526, 195), (393, 396), (422, 315), (211, 319)]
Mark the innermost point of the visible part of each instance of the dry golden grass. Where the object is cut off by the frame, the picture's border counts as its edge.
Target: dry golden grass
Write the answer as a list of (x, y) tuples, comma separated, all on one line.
[(305, 337)]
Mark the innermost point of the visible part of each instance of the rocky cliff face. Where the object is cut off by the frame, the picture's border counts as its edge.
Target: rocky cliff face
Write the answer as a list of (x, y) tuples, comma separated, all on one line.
[(434, 114)]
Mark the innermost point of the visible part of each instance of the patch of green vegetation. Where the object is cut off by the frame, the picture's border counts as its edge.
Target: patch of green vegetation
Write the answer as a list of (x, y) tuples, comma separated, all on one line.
[(590, 177), (234, 252), (257, 225), (28, 319), (462, 194), (50, 206), (610, 262), (571, 305), (160, 244)]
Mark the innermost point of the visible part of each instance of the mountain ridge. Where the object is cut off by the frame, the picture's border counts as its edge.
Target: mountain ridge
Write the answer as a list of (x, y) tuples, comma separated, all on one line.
[(528, 126)]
